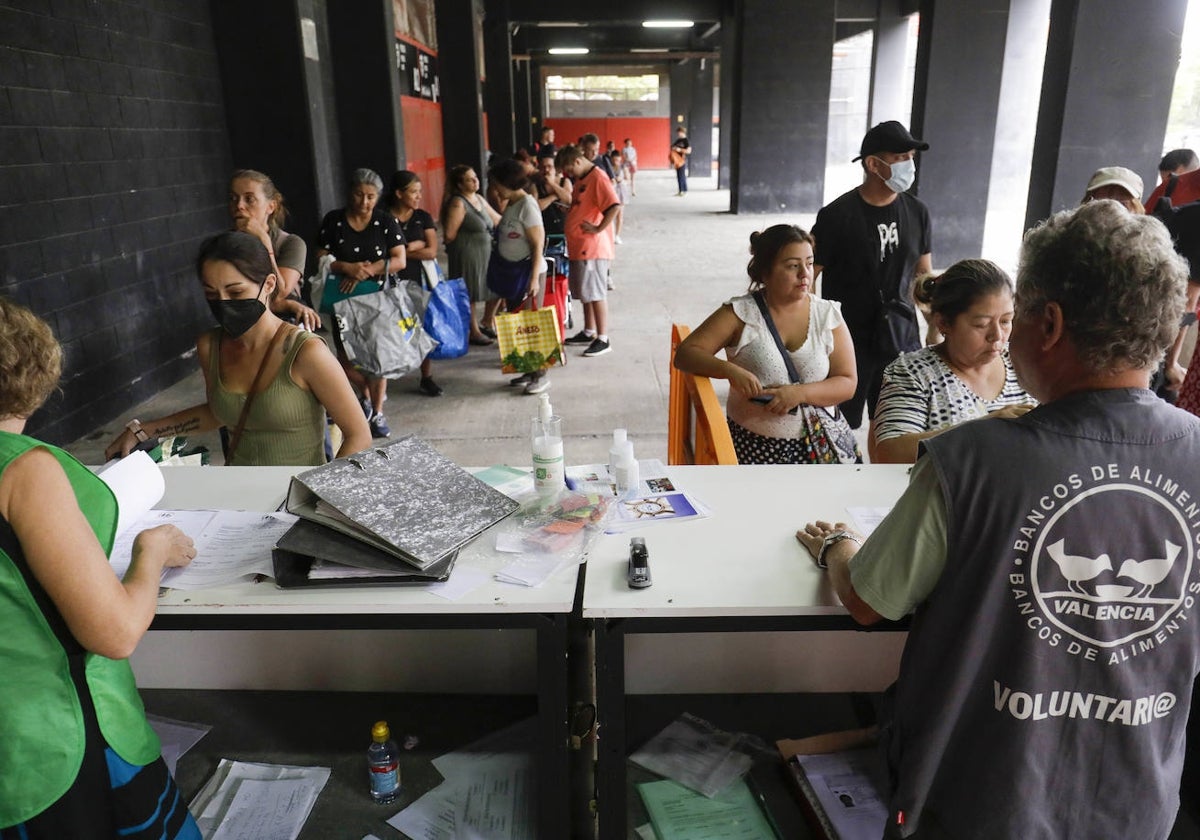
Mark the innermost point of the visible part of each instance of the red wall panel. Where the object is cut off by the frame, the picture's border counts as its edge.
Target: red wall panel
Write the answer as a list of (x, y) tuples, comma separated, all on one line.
[(423, 148), (651, 136)]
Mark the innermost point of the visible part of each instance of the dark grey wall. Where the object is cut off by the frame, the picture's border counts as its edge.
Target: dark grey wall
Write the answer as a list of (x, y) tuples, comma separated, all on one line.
[(781, 114), (113, 160)]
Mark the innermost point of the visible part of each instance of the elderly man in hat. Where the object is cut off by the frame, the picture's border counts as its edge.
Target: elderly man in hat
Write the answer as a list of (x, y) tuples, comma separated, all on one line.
[(1050, 564), (1122, 185), (871, 243)]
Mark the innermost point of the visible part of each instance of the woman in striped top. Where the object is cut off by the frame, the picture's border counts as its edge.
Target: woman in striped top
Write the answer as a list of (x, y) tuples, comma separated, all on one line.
[(967, 376)]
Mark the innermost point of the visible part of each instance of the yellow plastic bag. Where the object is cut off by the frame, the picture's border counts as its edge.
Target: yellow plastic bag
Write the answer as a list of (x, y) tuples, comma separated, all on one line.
[(529, 340)]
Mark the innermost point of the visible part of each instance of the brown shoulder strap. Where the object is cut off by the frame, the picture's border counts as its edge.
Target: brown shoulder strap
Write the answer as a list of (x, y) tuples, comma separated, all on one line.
[(236, 437)]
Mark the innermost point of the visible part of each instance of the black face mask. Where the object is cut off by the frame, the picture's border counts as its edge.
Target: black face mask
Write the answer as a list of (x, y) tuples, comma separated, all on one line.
[(237, 316)]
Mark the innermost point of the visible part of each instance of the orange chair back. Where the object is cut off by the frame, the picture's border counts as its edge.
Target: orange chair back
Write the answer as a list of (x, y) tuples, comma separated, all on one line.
[(697, 432)]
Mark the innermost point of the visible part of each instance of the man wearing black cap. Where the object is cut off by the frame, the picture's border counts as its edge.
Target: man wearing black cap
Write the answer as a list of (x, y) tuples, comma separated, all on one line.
[(871, 242)]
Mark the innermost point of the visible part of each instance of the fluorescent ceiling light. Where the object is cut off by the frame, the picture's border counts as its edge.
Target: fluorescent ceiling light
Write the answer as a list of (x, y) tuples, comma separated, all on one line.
[(568, 51), (649, 50), (667, 24), (560, 24)]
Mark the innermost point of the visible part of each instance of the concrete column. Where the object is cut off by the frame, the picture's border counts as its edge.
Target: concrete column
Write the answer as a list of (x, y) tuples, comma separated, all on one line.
[(458, 32), (1106, 92), (700, 118), (307, 169), (366, 87), (887, 65), (682, 80), (730, 71), (956, 98), (498, 87), (781, 108), (522, 123)]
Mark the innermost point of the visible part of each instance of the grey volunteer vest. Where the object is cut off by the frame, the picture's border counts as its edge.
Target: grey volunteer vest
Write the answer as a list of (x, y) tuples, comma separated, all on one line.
[(1045, 687)]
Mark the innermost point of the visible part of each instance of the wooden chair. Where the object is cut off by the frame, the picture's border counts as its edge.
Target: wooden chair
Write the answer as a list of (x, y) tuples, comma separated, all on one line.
[(697, 432)]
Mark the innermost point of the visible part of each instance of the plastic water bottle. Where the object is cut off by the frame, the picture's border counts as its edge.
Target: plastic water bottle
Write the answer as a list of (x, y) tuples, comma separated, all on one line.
[(548, 472), (383, 764)]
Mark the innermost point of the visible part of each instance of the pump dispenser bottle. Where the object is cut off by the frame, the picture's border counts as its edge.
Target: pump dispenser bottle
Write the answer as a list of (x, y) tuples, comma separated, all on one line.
[(548, 476)]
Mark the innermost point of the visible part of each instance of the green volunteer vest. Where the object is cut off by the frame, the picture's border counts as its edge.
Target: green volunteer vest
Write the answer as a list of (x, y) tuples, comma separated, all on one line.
[(41, 721)]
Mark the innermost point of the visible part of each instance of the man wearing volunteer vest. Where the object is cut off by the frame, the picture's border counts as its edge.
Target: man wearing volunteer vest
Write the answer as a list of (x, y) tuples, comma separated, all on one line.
[(1050, 564)]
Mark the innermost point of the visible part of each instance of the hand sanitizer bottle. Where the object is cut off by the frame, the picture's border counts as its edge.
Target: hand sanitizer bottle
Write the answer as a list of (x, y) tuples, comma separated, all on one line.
[(547, 449), (614, 452), (626, 473)]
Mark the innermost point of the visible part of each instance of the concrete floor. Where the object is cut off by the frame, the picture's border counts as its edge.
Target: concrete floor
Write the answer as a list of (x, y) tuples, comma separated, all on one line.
[(680, 259)]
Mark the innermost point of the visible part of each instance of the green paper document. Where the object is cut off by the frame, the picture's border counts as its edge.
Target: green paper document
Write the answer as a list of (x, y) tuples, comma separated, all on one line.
[(679, 813)]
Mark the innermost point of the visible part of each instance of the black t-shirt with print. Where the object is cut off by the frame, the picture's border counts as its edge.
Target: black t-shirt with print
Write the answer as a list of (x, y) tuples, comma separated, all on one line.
[(372, 243)]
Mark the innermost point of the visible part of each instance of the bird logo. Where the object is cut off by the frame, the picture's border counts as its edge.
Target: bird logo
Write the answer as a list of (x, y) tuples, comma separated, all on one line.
[(1149, 573), (1077, 569)]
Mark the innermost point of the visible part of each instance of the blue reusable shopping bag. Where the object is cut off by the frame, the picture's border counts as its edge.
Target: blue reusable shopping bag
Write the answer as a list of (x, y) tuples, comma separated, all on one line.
[(448, 318)]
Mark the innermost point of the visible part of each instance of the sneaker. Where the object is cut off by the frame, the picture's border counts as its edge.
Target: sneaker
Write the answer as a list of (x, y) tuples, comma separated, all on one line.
[(597, 348), (580, 337), (617, 239), (367, 408), (536, 386), (379, 426), (429, 388), (523, 379)]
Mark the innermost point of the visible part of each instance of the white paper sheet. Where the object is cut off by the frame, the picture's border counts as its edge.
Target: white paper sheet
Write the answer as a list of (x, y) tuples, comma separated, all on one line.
[(867, 518), (487, 794), (138, 484), (462, 580), (533, 569), (246, 801), (230, 545)]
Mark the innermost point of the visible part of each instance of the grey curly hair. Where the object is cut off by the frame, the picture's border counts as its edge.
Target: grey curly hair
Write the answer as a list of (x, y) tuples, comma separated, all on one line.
[(1116, 277)]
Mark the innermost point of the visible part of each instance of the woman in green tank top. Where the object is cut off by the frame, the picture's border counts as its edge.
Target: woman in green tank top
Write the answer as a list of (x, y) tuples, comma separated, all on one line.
[(77, 757), (294, 376)]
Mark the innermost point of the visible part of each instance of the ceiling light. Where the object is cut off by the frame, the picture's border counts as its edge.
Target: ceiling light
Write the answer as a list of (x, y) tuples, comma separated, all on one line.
[(667, 24), (649, 50), (568, 51), (560, 24)]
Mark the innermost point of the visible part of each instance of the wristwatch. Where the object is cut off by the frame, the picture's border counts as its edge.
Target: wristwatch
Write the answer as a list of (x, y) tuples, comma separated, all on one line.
[(833, 539)]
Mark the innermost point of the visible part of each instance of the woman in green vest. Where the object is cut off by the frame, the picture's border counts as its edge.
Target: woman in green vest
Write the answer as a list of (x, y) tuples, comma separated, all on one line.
[(77, 757)]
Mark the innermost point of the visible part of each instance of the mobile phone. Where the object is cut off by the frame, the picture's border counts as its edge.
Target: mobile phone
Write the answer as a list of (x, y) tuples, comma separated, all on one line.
[(762, 398), (638, 574)]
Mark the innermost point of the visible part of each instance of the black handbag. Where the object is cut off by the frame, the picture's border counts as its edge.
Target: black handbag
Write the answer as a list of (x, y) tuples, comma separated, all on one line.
[(896, 329)]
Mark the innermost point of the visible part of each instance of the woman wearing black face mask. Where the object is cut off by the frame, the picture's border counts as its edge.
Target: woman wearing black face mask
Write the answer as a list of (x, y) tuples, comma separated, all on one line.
[(298, 379)]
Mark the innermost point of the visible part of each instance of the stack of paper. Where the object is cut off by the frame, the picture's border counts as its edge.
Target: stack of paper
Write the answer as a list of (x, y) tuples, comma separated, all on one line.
[(244, 801), (488, 793), (230, 545)]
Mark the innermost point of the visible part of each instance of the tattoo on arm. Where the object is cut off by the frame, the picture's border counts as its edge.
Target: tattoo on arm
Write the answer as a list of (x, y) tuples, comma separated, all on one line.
[(178, 428)]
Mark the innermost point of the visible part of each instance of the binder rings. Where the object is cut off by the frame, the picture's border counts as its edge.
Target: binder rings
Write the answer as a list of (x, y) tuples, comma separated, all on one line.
[(404, 498)]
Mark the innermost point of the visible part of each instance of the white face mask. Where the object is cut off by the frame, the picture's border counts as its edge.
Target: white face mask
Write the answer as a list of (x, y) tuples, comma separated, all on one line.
[(904, 172)]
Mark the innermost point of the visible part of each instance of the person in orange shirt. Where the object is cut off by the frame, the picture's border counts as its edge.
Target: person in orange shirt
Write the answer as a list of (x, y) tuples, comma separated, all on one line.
[(594, 206)]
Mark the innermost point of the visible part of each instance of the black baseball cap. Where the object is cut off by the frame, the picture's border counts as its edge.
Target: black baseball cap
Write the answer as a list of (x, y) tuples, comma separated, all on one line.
[(889, 136)]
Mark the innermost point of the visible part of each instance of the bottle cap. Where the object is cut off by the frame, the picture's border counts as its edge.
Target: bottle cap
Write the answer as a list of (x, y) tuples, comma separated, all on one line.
[(544, 410), (380, 732), (618, 437)]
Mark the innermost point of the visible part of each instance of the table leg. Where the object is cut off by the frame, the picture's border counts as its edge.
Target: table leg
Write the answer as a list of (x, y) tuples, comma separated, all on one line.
[(554, 805), (610, 714)]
